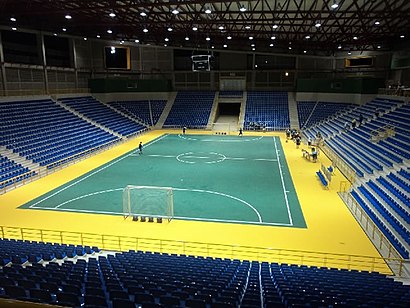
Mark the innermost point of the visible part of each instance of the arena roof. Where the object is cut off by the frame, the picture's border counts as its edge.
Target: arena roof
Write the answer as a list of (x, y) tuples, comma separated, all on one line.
[(261, 25)]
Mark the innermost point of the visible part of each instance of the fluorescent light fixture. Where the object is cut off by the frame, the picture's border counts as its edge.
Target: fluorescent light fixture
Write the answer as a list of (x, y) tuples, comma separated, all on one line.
[(195, 28), (166, 39), (377, 22), (307, 37), (229, 37), (14, 29), (334, 5), (84, 38), (286, 74), (13, 19), (318, 24), (169, 29), (136, 40), (112, 15), (242, 9), (175, 12), (339, 47), (378, 46), (165, 45), (55, 34), (186, 38), (98, 36), (256, 65), (271, 45), (68, 16), (208, 38), (355, 37), (247, 27), (402, 36), (304, 51), (252, 45), (64, 29), (208, 11), (221, 27), (253, 48), (349, 52), (143, 14), (251, 37), (290, 48), (225, 45), (275, 26), (109, 31), (212, 46), (145, 30)]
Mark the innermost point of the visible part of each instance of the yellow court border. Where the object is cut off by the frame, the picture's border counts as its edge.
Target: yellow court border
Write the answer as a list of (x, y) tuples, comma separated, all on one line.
[(330, 226)]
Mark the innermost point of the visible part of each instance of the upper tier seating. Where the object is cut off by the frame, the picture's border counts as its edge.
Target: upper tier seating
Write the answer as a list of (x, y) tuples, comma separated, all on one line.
[(103, 115), (141, 109), (11, 172), (132, 279), (191, 109), (267, 109), (311, 113), (44, 132)]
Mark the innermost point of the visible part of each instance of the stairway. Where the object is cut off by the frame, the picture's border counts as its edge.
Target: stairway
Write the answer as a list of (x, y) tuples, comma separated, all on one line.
[(166, 110), (18, 159), (293, 111)]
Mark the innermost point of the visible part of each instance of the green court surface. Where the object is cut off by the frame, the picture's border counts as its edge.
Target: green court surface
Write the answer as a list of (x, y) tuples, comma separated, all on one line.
[(214, 178)]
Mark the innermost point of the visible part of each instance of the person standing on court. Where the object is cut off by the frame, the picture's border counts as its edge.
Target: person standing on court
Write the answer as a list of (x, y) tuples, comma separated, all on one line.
[(140, 148), (183, 130), (240, 131)]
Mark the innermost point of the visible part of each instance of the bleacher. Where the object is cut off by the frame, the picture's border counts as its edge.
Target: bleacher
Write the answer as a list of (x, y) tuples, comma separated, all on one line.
[(136, 278), (103, 115), (11, 172), (44, 132), (142, 110), (310, 113), (191, 109), (269, 110)]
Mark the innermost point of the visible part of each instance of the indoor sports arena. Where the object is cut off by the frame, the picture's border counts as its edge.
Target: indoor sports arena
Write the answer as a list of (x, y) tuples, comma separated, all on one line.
[(205, 153)]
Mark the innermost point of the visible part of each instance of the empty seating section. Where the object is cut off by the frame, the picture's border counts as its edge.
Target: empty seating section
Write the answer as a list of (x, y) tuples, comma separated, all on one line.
[(230, 94), (103, 115), (11, 171), (134, 279), (305, 109), (267, 109), (191, 109), (142, 110), (44, 132), (320, 111)]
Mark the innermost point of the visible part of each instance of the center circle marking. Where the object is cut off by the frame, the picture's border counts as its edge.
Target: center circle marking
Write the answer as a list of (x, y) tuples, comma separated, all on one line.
[(200, 157)]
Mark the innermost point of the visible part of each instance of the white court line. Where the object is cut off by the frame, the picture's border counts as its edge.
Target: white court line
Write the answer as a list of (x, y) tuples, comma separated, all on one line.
[(221, 140), (283, 183), (203, 157), (175, 217), (91, 174), (173, 188)]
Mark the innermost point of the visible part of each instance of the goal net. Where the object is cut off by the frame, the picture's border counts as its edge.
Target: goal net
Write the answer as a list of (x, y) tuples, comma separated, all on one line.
[(223, 128), (148, 201)]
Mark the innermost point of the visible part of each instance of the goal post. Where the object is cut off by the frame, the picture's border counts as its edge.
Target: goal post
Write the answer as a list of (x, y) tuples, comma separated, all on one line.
[(223, 128), (150, 201)]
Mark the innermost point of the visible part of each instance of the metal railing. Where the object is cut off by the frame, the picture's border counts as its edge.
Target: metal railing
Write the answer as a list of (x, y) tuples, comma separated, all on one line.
[(42, 171), (340, 163), (126, 243)]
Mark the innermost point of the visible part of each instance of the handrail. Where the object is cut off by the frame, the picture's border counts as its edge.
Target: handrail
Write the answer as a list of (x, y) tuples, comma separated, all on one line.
[(43, 171), (383, 245), (125, 243)]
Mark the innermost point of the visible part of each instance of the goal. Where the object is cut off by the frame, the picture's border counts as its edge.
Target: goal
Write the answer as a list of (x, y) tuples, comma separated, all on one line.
[(223, 128), (150, 201)]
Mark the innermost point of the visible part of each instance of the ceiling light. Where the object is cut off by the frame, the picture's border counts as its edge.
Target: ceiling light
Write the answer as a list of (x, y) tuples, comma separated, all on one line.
[(208, 38), (68, 16), (225, 45), (339, 47), (286, 74), (136, 40), (290, 48), (304, 51), (212, 46), (186, 38), (14, 29), (175, 12), (242, 9), (252, 45), (55, 34), (166, 39), (378, 46), (229, 37), (334, 5), (349, 52), (247, 27), (377, 22), (13, 19), (122, 42), (143, 14), (251, 37), (273, 37), (109, 31), (64, 29), (169, 29), (307, 37), (208, 11), (318, 24), (275, 26), (256, 65), (84, 38), (98, 36), (112, 15), (112, 50), (402, 36), (253, 48), (355, 37), (145, 30), (194, 28), (271, 45), (221, 27)]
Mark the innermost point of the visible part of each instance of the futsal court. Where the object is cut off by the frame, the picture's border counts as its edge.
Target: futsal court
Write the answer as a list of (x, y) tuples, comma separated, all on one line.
[(233, 179)]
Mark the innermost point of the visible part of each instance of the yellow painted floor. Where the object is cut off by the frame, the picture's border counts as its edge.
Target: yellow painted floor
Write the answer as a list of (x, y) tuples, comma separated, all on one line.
[(331, 229)]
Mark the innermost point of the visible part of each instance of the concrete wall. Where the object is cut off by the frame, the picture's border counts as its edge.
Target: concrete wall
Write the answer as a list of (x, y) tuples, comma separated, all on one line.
[(109, 97), (335, 97)]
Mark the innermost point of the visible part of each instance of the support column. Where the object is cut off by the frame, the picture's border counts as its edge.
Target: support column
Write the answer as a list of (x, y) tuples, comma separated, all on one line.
[(73, 58), (43, 60), (3, 68)]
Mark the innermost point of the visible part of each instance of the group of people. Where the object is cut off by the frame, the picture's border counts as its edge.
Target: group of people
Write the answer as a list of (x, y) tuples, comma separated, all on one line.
[(312, 155), (293, 134), (355, 123)]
